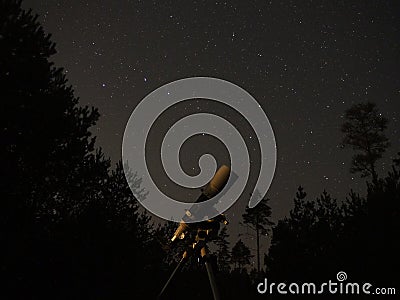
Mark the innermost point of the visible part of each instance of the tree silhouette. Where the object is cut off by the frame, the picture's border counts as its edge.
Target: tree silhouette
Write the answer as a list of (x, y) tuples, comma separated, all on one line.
[(222, 252), (258, 220), (383, 207), (46, 143), (240, 255), (364, 132), (50, 169), (67, 222), (303, 244), (356, 235)]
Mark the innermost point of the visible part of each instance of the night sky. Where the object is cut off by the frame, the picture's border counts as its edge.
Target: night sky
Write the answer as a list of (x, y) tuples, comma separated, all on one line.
[(304, 61)]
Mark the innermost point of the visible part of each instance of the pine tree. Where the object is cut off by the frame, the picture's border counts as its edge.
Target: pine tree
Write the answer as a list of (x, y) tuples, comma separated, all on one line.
[(51, 172), (364, 132), (306, 239), (222, 253), (241, 255), (258, 220), (46, 142)]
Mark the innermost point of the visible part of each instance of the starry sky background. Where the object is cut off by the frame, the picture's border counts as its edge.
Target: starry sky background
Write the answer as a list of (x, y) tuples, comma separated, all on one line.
[(306, 62)]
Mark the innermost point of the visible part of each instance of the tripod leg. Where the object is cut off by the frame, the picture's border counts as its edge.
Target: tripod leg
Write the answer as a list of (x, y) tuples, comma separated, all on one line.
[(177, 268), (210, 273)]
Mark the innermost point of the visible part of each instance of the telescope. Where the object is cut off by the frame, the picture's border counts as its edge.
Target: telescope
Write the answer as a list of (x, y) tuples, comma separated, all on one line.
[(206, 230)]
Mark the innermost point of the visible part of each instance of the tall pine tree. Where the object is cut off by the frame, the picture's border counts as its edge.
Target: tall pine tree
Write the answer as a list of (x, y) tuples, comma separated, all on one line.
[(258, 220), (222, 253)]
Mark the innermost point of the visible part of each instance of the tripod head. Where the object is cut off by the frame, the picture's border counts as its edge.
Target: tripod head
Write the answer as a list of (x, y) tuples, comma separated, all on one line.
[(216, 184), (209, 229)]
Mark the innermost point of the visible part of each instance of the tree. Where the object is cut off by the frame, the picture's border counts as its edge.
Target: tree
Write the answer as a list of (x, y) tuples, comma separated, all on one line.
[(364, 132), (50, 170), (66, 220), (240, 255), (46, 142), (383, 208), (305, 243), (258, 220), (222, 253)]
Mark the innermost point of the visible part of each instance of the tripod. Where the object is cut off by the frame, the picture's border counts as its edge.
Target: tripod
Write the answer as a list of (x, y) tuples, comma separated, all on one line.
[(200, 249)]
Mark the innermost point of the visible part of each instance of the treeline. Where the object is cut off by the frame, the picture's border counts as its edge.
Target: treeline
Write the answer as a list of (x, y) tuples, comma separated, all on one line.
[(71, 228)]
